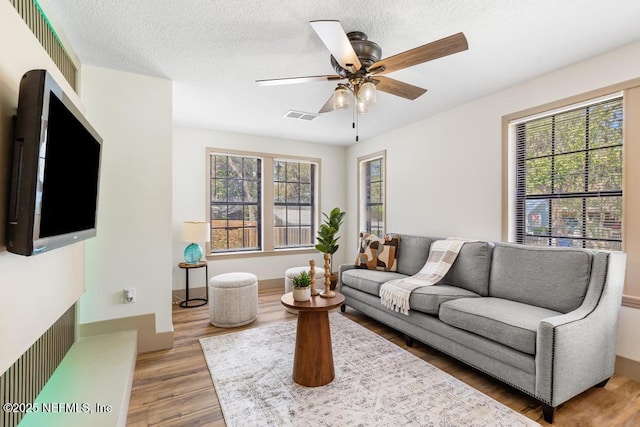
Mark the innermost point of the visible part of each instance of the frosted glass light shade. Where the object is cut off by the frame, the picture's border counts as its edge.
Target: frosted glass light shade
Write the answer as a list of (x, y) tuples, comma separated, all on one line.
[(362, 106), (340, 99), (367, 92)]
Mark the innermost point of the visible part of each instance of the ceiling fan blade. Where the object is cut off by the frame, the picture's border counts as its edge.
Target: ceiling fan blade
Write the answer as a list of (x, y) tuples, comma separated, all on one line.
[(398, 88), (295, 80), (335, 39), (434, 50), (328, 106)]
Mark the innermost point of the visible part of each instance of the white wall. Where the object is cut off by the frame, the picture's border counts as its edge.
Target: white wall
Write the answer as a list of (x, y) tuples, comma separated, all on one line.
[(133, 115), (37, 290), (189, 194), (444, 173)]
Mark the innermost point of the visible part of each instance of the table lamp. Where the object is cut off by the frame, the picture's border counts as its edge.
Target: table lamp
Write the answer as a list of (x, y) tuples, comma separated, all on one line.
[(194, 232)]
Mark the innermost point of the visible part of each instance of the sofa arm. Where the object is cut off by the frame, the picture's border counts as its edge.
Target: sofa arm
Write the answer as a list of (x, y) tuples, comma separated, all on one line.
[(343, 268), (577, 350)]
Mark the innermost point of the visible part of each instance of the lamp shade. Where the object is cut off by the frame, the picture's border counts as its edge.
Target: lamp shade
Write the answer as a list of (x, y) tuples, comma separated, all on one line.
[(195, 231)]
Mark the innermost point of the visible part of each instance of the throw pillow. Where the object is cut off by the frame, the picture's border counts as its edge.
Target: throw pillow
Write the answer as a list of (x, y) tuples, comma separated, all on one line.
[(377, 253)]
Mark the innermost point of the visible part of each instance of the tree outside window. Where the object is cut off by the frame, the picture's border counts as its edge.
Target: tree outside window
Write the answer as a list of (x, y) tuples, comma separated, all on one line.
[(235, 203), (569, 178)]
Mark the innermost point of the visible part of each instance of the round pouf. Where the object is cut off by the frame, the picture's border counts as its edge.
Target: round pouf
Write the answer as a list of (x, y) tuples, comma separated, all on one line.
[(233, 299), (294, 271)]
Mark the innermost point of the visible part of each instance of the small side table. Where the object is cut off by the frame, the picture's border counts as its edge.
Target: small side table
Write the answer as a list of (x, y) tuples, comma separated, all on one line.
[(313, 357), (187, 300)]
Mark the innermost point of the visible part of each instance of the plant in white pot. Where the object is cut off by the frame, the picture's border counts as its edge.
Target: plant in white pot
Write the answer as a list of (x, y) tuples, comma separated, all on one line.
[(302, 286)]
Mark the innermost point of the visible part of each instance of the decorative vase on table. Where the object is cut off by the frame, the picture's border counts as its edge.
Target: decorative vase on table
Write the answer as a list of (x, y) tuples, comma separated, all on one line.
[(327, 244)]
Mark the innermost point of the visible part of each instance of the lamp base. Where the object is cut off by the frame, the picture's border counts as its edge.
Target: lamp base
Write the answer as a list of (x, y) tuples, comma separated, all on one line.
[(193, 253)]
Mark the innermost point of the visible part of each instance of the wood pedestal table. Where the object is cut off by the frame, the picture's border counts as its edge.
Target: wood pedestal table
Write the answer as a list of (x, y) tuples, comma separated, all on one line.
[(313, 360)]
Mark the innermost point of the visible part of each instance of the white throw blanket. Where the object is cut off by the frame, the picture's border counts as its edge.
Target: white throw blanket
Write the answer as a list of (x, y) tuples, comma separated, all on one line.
[(395, 293)]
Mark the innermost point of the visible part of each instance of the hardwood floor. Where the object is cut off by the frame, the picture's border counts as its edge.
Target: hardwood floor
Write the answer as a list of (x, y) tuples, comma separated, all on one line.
[(173, 387)]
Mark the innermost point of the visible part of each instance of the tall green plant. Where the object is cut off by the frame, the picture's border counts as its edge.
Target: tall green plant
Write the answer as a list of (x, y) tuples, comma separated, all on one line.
[(326, 236)]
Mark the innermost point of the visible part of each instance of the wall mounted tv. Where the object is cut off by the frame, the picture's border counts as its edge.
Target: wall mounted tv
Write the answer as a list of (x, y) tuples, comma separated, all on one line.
[(56, 169)]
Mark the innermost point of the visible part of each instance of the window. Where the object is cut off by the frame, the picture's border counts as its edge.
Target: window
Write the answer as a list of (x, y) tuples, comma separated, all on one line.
[(235, 203), (293, 203), (371, 212), (261, 202), (569, 177)]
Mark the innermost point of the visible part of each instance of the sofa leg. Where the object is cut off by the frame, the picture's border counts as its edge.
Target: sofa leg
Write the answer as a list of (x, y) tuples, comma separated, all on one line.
[(603, 383), (408, 340), (343, 308), (548, 413)]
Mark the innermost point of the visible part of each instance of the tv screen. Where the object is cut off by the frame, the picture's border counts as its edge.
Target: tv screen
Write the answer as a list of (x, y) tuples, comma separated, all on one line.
[(56, 165)]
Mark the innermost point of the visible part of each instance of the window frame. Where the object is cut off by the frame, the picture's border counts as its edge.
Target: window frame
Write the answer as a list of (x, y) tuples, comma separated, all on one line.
[(299, 203), (267, 206), (228, 204), (363, 196), (510, 154)]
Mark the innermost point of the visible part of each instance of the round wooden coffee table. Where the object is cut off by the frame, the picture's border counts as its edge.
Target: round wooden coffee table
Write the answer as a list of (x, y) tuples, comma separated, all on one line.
[(313, 360)]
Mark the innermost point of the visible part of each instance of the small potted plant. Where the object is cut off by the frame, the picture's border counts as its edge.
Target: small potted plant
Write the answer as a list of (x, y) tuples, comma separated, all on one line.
[(302, 286)]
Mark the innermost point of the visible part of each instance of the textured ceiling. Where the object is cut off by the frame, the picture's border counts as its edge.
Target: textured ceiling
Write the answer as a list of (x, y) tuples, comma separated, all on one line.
[(213, 51)]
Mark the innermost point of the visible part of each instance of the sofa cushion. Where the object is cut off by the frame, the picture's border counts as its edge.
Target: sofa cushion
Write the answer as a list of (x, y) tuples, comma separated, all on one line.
[(428, 298), (376, 253), (368, 281), (507, 322), (412, 253), (517, 275), (471, 268)]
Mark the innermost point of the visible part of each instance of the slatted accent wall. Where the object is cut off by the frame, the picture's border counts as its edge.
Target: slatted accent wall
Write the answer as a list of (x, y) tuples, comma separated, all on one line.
[(24, 380), (33, 15)]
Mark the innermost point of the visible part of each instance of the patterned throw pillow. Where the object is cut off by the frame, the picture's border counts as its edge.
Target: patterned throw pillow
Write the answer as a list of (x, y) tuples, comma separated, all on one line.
[(377, 253)]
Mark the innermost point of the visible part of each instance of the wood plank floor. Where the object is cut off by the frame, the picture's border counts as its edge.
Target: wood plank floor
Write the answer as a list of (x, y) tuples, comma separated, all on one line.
[(173, 387)]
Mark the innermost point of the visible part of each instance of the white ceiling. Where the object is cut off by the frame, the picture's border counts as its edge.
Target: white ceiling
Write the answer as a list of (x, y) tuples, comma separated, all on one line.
[(213, 51)]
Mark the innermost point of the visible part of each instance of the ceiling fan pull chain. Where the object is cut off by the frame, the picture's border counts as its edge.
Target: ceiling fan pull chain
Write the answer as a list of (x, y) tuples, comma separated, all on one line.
[(355, 118)]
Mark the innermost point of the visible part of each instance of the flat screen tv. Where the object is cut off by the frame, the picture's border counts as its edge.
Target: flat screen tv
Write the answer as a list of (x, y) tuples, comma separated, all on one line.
[(55, 172)]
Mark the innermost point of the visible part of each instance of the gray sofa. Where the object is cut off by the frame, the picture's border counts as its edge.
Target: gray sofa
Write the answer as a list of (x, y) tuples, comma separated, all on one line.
[(540, 319)]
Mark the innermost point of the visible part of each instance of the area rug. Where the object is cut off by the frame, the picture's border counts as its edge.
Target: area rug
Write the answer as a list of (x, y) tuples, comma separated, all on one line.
[(376, 383)]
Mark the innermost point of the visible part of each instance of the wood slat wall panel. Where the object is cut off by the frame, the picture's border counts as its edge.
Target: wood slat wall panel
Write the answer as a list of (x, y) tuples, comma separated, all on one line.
[(35, 20), (24, 380)]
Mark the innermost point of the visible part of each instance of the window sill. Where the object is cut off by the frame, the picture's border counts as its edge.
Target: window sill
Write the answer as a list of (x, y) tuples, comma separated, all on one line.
[(259, 254)]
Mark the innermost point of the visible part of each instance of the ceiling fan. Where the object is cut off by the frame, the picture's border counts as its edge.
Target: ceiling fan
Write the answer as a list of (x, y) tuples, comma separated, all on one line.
[(361, 72)]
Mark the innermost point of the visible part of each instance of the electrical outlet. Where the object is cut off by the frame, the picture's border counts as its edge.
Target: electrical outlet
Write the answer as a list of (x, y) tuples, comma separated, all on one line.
[(128, 295)]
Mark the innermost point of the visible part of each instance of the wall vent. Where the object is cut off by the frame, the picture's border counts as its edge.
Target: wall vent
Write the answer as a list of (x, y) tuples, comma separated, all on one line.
[(300, 115), (34, 17), (24, 380)]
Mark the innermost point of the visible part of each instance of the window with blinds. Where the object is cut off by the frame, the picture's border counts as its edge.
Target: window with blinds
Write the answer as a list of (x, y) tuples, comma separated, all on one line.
[(569, 178)]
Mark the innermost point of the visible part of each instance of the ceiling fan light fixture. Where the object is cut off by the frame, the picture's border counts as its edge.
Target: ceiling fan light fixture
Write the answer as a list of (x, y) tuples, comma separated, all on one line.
[(367, 92), (362, 106), (340, 99)]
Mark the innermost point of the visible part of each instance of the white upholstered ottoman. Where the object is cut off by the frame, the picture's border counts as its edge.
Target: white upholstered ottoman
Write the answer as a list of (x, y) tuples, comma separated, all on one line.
[(294, 271), (233, 299)]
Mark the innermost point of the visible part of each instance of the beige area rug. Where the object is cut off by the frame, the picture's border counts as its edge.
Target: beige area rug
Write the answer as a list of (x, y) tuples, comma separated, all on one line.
[(377, 384)]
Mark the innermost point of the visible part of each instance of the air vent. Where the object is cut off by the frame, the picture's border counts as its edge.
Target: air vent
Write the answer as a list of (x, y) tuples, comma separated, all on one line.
[(300, 115)]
